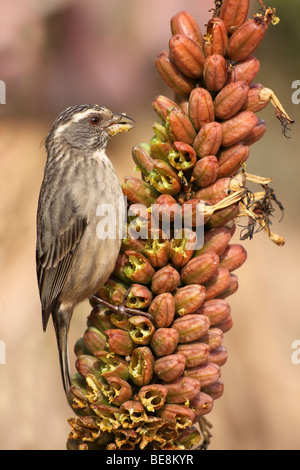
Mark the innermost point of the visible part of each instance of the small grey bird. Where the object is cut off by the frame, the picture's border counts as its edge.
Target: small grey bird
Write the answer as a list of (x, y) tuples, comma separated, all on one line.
[(72, 260)]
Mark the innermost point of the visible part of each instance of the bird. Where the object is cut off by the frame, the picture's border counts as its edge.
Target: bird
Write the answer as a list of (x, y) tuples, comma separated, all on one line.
[(72, 259)]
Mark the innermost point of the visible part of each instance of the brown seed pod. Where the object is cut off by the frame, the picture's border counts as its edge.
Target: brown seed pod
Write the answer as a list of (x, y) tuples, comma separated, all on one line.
[(253, 102), (189, 298), (182, 389), (162, 309), (206, 374), (191, 327), (217, 284), (233, 257), (216, 310), (164, 341), (238, 127), (209, 139), (246, 40), (206, 170), (202, 404), (169, 368), (175, 79), (257, 133), (215, 390), (230, 100), (216, 39), (234, 13), (165, 279), (195, 353), (184, 23), (244, 71), (215, 72), (187, 55), (201, 108), (200, 269), (230, 159), (215, 240), (179, 127), (231, 289)]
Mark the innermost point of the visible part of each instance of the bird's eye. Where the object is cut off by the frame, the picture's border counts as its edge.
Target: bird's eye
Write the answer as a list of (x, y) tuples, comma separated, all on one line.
[(95, 120)]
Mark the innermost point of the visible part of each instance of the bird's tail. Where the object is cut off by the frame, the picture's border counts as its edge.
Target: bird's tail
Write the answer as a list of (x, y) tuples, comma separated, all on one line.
[(61, 322)]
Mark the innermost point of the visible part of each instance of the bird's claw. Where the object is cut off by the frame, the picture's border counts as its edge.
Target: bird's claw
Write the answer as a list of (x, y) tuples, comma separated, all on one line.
[(121, 309)]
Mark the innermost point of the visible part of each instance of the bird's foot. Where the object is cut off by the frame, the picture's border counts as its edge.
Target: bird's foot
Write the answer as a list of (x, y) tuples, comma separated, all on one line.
[(121, 309)]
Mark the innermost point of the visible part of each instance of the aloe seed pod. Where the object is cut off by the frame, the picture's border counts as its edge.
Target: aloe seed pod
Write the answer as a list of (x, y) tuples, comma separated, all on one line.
[(165, 280), (222, 216), (139, 297), (182, 247), (238, 127), (230, 100), (157, 251), (165, 208), (232, 158), (182, 389), (178, 415), (202, 404), (206, 170), (141, 366), (257, 133), (195, 353), (206, 374), (216, 39), (132, 414), (226, 324), (169, 368), (175, 79), (153, 396), (216, 310), (253, 102), (112, 365), (112, 291), (213, 338), (201, 108), (87, 365), (117, 390), (244, 71), (214, 192), (141, 329), (120, 342), (190, 438), (215, 240), (130, 242), (187, 55), (179, 127), (138, 268), (209, 139), (234, 13), (160, 150), (246, 40), (162, 309), (233, 257), (80, 348), (215, 72), (138, 191), (200, 269), (162, 106), (165, 341), (184, 158), (215, 390), (189, 298), (217, 284), (191, 327), (119, 321), (184, 23), (232, 288), (94, 339), (218, 356)]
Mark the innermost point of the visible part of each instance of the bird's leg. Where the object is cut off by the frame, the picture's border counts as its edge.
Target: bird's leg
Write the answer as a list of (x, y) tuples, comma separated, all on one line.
[(122, 309)]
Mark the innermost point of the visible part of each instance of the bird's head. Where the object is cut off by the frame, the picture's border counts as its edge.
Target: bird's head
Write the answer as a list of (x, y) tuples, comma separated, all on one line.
[(87, 127)]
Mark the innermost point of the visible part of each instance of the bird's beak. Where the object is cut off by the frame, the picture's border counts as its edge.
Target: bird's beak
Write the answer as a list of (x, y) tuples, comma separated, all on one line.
[(119, 123)]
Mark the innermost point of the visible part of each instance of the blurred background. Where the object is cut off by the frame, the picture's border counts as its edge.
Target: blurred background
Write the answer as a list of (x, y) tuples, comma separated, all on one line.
[(63, 52)]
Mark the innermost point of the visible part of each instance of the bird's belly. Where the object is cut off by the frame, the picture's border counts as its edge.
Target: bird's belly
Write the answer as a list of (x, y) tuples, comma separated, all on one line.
[(92, 265)]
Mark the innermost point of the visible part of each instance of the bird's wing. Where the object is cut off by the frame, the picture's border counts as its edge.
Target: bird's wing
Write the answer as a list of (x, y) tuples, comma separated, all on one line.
[(54, 256)]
